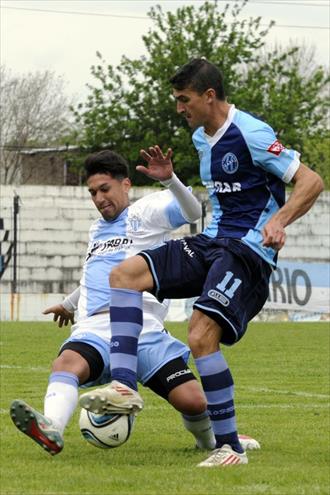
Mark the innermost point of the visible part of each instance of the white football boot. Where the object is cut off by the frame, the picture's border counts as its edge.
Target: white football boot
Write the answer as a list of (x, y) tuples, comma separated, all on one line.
[(36, 426), (223, 457), (114, 398), (248, 443)]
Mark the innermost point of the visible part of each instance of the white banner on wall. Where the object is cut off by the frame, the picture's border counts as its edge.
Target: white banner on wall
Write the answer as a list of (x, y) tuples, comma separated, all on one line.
[(293, 286), (300, 286)]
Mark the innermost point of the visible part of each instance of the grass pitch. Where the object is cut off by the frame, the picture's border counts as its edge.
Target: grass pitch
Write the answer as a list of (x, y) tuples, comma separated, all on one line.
[(281, 371)]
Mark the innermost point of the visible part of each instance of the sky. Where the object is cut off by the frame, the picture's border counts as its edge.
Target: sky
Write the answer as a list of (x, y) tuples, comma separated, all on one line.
[(65, 39)]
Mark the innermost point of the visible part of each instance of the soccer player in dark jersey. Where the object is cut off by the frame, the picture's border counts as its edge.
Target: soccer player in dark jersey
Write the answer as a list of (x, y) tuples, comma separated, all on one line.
[(244, 168)]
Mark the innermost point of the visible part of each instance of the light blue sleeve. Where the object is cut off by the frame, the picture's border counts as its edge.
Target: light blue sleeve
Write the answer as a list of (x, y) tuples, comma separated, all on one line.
[(174, 214), (268, 153)]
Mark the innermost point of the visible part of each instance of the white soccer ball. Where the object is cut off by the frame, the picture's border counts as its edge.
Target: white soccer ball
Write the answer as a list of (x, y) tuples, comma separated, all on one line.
[(106, 431)]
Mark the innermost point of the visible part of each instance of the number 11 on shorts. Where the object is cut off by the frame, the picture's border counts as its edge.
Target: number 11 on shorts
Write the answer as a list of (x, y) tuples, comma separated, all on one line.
[(223, 285)]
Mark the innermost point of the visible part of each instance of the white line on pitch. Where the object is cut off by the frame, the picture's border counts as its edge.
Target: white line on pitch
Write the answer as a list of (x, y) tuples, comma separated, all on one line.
[(282, 406), (29, 368), (283, 392)]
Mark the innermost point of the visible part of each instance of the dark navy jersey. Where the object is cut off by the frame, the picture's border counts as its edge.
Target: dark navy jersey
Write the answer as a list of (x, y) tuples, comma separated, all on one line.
[(244, 169)]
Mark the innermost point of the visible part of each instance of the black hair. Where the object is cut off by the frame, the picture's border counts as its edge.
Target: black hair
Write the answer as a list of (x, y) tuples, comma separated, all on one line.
[(106, 162), (199, 75)]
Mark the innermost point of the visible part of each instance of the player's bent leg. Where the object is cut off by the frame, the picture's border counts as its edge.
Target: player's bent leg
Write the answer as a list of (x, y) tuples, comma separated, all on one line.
[(114, 398), (72, 361), (188, 397), (69, 370), (36, 426), (176, 383)]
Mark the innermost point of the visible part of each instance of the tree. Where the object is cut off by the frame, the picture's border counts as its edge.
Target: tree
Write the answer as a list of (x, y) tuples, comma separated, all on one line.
[(130, 106), (317, 154), (34, 112)]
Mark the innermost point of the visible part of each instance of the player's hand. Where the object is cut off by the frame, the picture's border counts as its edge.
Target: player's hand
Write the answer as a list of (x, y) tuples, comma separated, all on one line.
[(274, 235), (159, 166), (61, 315)]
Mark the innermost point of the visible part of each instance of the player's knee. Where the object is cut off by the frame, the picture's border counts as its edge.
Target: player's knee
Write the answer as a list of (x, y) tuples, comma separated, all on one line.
[(188, 398), (121, 277), (63, 362), (57, 364), (204, 337), (72, 362), (116, 276), (132, 273), (198, 405), (194, 405), (196, 343)]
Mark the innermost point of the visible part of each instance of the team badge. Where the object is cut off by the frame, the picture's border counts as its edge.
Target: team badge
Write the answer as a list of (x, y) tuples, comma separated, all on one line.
[(229, 163), (134, 222), (276, 148)]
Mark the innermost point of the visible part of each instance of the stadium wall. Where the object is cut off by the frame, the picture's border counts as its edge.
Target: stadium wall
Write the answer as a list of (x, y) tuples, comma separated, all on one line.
[(53, 224)]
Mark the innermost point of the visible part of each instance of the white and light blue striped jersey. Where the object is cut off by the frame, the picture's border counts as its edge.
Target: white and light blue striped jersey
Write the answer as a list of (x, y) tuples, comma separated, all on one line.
[(145, 224), (244, 168)]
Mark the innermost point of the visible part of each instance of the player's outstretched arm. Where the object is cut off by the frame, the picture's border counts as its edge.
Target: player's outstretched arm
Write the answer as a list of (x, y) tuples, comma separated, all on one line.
[(64, 312), (61, 315), (160, 168), (307, 187)]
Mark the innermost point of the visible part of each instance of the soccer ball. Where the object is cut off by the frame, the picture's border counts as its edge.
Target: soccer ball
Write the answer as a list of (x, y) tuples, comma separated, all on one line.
[(106, 431)]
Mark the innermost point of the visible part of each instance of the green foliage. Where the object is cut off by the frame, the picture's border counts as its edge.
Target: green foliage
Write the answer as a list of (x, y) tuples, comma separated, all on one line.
[(316, 153), (130, 106), (282, 398), (293, 101)]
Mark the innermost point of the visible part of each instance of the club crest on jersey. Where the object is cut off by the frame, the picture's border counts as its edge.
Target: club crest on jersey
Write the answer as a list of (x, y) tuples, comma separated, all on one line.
[(276, 148), (229, 163), (134, 222)]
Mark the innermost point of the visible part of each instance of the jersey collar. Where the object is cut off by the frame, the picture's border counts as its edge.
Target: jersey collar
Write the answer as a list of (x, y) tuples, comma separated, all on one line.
[(221, 131)]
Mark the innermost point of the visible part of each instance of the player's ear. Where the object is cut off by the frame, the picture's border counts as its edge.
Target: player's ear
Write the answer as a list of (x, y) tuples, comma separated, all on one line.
[(127, 184), (210, 95)]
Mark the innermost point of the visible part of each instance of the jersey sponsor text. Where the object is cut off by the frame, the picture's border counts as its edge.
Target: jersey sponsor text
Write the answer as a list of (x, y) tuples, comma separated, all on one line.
[(99, 248), (224, 187)]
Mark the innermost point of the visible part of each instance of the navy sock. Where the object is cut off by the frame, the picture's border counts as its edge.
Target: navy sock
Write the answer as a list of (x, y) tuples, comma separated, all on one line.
[(126, 324), (218, 386)]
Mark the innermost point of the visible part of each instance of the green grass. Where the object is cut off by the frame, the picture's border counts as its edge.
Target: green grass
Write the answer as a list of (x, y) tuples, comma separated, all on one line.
[(281, 372)]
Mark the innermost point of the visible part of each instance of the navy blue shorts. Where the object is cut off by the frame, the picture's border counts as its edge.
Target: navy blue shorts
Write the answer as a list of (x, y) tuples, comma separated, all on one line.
[(230, 280)]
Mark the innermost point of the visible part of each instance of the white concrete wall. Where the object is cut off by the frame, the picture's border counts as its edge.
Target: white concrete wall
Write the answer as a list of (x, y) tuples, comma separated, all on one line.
[(308, 238), (53, 232)]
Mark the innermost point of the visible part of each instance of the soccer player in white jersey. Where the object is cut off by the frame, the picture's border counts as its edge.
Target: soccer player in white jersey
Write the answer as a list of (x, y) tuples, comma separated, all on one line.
[(244, 169), (83, 360)]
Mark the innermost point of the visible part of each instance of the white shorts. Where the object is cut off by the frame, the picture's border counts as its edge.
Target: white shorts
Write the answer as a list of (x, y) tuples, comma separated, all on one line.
[(155, 348)]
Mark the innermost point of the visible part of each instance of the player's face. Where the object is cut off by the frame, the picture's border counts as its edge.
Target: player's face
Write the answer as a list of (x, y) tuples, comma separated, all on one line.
[(195, 108), (109, 195)]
